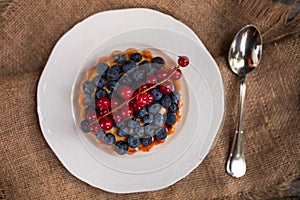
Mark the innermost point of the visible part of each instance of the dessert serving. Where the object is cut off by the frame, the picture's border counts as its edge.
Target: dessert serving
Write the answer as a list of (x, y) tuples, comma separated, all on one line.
[(130, 101)]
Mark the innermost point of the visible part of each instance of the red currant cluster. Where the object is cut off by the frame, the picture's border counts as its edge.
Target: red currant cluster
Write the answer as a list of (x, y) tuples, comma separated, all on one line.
[(141, 98)]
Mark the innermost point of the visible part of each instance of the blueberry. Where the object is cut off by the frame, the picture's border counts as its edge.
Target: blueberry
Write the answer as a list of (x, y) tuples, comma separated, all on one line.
[(158, 60), (109, 95), (109, 139), (128, 65), (88, 100), (141, 113), (121, 147), (84, 126), (146, 140), (175, 96), (89, 109), (171, 118), (138, 75), (120, 58), (160, 133), (100, 93), (173, 108), (148, 119), (123, 133), (139, 130), (136, 57), (125, 80), (166, 101), (116, 67), (119, 125), (99, 81), (111, 85), (158, 119), (148, 107), (156, 93), (112, 74), (156, 66), (133, 123), (88, 87), (149, 129), (102, 67), (133, 141), (124, 130), (125, 122), (154, 108), (152, 70), (145, 64), (100, 135)]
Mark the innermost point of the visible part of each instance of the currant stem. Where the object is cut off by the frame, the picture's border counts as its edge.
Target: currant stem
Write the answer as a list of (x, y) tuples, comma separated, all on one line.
[(120, 106)]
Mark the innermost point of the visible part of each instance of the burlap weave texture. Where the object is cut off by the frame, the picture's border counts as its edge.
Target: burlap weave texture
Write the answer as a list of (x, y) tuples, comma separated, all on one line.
[(29, 31)]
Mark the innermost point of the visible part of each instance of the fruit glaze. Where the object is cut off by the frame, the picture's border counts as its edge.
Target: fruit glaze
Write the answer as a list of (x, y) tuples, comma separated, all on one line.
[(131, 100)]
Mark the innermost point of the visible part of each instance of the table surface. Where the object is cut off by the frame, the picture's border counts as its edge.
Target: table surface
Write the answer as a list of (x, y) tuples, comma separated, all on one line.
[(294, 188), (16, 172)]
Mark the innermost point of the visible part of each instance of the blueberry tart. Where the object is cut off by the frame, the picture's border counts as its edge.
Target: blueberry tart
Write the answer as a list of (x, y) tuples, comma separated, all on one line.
[(130, 101)]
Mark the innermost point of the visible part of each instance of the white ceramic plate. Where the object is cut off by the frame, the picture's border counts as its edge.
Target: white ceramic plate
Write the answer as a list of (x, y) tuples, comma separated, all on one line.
[(141, 172)]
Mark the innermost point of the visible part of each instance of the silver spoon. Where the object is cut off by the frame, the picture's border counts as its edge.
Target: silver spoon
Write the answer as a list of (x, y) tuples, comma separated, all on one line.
[(244, 56)]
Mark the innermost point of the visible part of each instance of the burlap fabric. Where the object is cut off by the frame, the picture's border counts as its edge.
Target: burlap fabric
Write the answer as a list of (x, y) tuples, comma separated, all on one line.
[(29, 31)]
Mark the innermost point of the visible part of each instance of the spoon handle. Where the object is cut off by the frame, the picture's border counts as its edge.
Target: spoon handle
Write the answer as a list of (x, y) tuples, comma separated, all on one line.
[(236, 165)]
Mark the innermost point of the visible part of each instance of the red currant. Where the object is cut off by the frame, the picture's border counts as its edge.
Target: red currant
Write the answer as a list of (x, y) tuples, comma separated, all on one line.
[(136, 107), (103, 103), (142, 99), (92, 116), (126, 112), (130, 110), (150, 98), (143, 87), (162, 74), (183, 61), (166, 87), (105, 123), (136, 92), (94, 127), (114, 103), (177, 75), (103, 112), (151, 79), (117, 117), (126, 92)]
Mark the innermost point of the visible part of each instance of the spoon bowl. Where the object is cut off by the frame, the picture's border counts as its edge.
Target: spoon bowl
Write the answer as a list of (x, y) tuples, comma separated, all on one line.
[(244, 56), (245, 51)]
